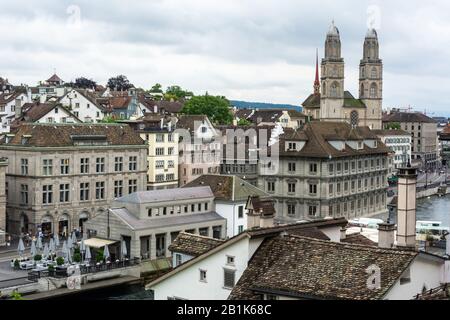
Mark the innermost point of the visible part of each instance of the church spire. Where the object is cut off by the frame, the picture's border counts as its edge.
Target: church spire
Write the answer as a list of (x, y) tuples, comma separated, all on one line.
[(316, 81)]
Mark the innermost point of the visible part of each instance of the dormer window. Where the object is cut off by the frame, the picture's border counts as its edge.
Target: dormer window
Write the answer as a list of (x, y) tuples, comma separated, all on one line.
[(360, 145), (292, 146)]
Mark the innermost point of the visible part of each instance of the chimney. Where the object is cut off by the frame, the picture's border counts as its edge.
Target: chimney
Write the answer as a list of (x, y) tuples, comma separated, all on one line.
[(447, 261), (386, 235), (406, 207), (18, 107), (343, 233), (266, 221)]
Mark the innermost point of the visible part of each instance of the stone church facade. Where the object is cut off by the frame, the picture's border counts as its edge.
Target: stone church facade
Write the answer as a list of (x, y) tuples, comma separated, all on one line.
[(330, 101)]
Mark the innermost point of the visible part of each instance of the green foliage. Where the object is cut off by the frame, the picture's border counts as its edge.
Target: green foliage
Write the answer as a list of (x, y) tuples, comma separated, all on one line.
[(119, 83), (16, 295), (77, 257), (99, 257), (157, 88), (176, 93), (37, 257), (244, 122), (51, 268), (76, 250), (16, 264), (60, 261), (216, 108), (393, 126), (109, 119)]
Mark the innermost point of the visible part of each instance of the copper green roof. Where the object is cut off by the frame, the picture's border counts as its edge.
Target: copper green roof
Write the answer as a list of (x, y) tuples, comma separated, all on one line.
[(351, 102)]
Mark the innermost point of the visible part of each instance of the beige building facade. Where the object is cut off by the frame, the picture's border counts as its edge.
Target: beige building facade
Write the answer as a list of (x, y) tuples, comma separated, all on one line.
[(61, 175), (327, 169), (3, 166)]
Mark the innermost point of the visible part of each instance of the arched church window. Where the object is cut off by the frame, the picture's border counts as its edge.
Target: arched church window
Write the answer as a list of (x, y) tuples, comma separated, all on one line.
[(324, 89), (373, 90), (373, 73), (354, 118), (334, 90), (361, 92)]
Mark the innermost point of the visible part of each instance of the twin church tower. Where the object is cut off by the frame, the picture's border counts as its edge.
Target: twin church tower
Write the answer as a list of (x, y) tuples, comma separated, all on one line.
[(330, 102)]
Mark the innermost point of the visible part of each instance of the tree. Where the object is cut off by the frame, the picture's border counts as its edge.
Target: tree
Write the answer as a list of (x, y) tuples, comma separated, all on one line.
[(216, 108), (244, 122), (84, 83), (157, 88), (393, 126), (176, 93), (119, 83)]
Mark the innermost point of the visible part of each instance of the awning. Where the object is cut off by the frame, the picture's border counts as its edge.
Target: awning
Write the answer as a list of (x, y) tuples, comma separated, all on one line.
[(98, 243)]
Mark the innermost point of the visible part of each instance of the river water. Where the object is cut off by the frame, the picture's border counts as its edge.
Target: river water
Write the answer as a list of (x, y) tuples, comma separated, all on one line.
[(430, 209)]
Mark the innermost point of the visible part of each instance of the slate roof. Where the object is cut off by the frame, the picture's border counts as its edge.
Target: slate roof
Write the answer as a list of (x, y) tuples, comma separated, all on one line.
[(175, 194), (318, 134), (227, 188), (61, 135), (313, 101), (193, 244), (391, 132), (315, 269), (135, 223), (407, 117)]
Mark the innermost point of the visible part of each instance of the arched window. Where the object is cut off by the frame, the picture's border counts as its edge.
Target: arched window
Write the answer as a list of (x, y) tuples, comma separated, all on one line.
[(324, 89), (373, 90), (334, 90), (354, 118), (361, 92), (373, 73), (362, 72)]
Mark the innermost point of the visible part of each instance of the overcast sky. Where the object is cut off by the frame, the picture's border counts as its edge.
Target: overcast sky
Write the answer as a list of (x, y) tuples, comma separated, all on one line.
[(254, 50)]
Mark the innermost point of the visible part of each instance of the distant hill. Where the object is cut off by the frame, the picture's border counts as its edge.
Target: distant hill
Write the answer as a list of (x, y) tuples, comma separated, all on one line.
[(263, 105)]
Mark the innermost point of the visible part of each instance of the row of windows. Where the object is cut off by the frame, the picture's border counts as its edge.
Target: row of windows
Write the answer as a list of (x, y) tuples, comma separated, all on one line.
[(337, 167), (160, 151), (349, 206), (84, 191), (292, 210), (160, 164), (374, 182), (161, 177), (161, 137), (163, 211), (64, 165)]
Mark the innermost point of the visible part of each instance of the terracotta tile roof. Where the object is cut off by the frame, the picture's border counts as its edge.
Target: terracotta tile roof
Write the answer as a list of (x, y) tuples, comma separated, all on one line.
[(162, 105), (8, 97), (62, 135), (228, 188), (358, 238), (407, 117), (120, 102), (440, 293), (263, 207), (318, 135), (309, 268), (192, 244), (54, 78), (188, 121), (254, 233)]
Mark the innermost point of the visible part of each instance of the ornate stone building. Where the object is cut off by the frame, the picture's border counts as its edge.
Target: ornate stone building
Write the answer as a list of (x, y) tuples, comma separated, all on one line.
[(331, 102), (327, 169), (61, 175)]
